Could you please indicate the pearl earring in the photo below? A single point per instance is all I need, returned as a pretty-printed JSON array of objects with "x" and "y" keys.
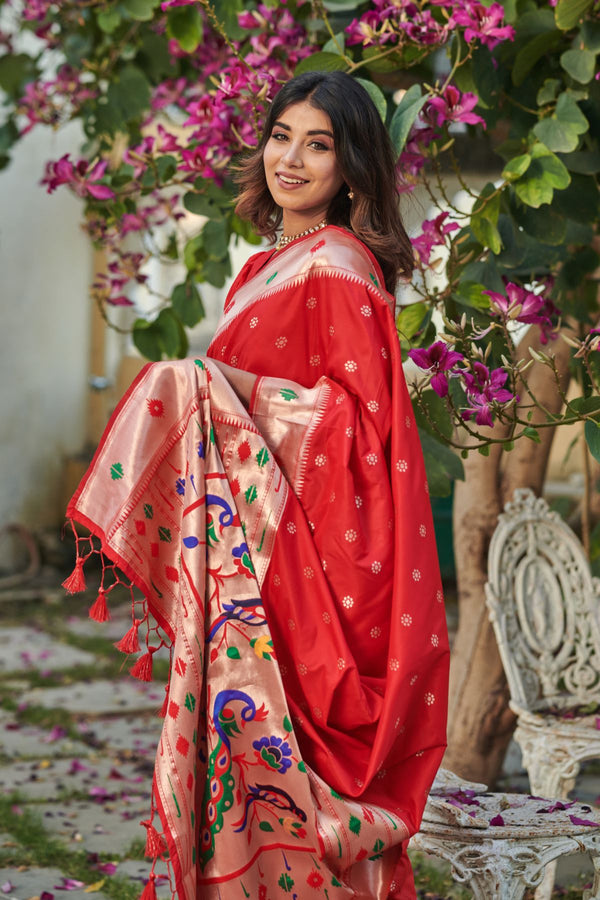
[{"x": 350, "y": 194}]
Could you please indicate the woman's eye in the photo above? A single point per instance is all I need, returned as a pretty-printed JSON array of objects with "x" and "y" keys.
[
  {"x": 317, "y": 145},
  {"x": 279, "y": 136}
]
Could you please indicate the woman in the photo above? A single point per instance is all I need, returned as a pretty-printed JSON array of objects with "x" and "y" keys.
[{"x": 282, "y": 535}]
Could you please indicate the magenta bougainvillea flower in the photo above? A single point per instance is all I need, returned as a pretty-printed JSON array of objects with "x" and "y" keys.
[
  {"x": 434, "y": 233},
  {"x": 522, "y": 305},
  {"x": 452, "y": 106},
  {"x": 80, "y": 178},
  {"x": 484, "y": 390},
  {"x": 482, "y": 23},
  {"x": 441, "y": 360}
]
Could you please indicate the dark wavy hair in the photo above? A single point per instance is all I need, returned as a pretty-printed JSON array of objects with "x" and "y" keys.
[{"x": 366, "y": 160}]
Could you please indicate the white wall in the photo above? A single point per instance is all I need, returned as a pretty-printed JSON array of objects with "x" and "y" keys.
[{"x": 45, "y": 271}]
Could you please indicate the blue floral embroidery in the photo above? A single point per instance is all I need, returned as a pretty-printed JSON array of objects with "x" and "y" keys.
[{"x": 274, "y": 753}]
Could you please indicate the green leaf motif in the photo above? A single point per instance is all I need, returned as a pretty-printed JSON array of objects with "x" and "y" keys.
[
  {"x": 287, "y": 725},
  {"x": 148, "y": 510},
  {"x": 251, "y": 494},
  {"x": 579, "y": 64},
  {"x": 262, "y": 457},
  {"x": 116, "y": 471},
  {"x": 354, "y": 825},
  {"x": 190, "y": 702},
  {"x": 286, "y": 883},
  {"x": 233, "y": 653},
  {"x": 265, "y": 826},
  {"x": 404, "y": 117},
  {"x": 288, "y": 394},
  {"x": 164, "y": 534}
]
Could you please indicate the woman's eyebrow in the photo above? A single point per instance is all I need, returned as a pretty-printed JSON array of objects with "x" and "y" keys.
[{"x": 315, "y": 131}]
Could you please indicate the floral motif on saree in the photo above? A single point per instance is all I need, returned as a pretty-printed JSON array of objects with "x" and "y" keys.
[{"x": 287, "y": 555}]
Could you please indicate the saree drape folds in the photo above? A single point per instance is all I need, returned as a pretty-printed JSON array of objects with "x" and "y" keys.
[{"x": 288, "y": 553}]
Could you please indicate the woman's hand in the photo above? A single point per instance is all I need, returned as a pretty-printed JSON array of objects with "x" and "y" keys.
[{"x": 241, "y": 382}]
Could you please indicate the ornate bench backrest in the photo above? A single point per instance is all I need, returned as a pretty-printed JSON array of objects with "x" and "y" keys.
[{"x": 544, "y": 606}]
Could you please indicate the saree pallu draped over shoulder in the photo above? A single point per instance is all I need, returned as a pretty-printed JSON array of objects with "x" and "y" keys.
[{"x": 287, "y": 552}]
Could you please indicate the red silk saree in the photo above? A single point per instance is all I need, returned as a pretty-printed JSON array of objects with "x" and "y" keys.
[{"x": 287, "y": 554}]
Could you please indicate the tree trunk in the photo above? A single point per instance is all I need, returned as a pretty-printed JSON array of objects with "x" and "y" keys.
[{"x": 480, "y": 722}]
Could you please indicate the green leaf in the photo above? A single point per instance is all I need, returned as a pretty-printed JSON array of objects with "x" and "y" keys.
[
  {"x": 129, "y": 95},
  {"x": 516, "y": 167},
  {"x": 404, "y": 117},
  {"x": 167, "y": 166},
  {"x": 287, "y": 725},
  {"x": 486, "y": 233},
  {"x": 531, "y": 52},
  {"x": 202, "y": 205},
  {"x": 376, "y": 96},
  {"x": 586, "y": 406},
  {"x": 233, "y": 653},
  {"x": 548, "y": 91},
  {"x": 409, "y": 320},
  {"x": 442, "y": 465},
  {"x": 580, "y": 201},
  {"x": 164, "y": 336},
  {"x": 579, "y": 64},
  {"x": 590, "y": 34},
  {"x": 592, "y": 438},
  {"x": 187, "y": 303},
  {"x": 431, "y": 408},
  {"x": 336, "y": 46},
  {"x": 265, "y": 826},
  {"x": 9, "y": 134},
  {"x": 321, "y": 62},
  {"x": 545, "y": 173},
  {"x": 543, "y": 224},
  {"x": 142, "y": 10},
  {"x": 532, "y": 433},
  {"x": 568, "y": 13},
  {"x": 15, "y": 69},
  {"x": 215, "y": 238},
  {"x": 560, "y": 131},
  {"x": 471, "y": 293},
  {"x": 583, "y": 162},
  {"x": 184, "y": 24},
  {"x": 108, "y": 20}
]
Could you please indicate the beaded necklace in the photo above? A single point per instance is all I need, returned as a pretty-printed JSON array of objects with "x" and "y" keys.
[{"x": 286, "y": 239}]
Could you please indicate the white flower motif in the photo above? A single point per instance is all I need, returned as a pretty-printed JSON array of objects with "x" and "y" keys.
[
  {"x": 311, "y": 302},
  {"x": 291, "y": 624},
  {"x": 350, "y": 535},
  {"x": 406, "y": 619},
  {"x": 397, "y": 723},
  {"x": 372, "y": 459},
  {"x": 340, "y": 398},
  {"x": 402, "y": 465},
  {"x": 326, "y": 618},
  {"x": 331, "y": 330},
  {"x": 419, "y": 753},
  {"x": 253, "y": 321},
  {"x": 435, "y": 641},
  {"x": 276, "y": 580},
  {"x": 366, "y": 310},
  {"x": 348, "y": 602},
  {"x": 391, "y": 524},
  {"x": 223, "y": 349},
  {"x": 309, "y": 572},
  {"x": 302, "y": 668},
  {"x": 426, "y": 488},
  {"x": 439, "y": 596},
  {"x": 349, "y": 431},
  {"x": 416, "y": 574},
  {"x": 408, "y": 422},
  {"x": 233, "y": 361},
  {"x": 384, "y": 353},
  {"x": 315, "y": 360},
  {"x": 332, "y": 497},
  {"x": 350, "y": 365},
  {"x": 318, "y": 714},
  {"x": 382, "y": 773},
  {"x": 413, "y": 680},
  {"x": 283, "y": 670},
  {"x": 376, "y": 567},
  {"x": 422, "y": 531},
  {"x": 324, "y": 565},
  {"x": 375, "y": 631},
  {"x": 373, "y": 406},
  {"x": 320, "y": 460},
  {"x": 341, "y": 663},
  {"x": 358, "y": 782},
  {"x": 291, "y": 527},
  {"x": 429, "y": 698},
  {"x": 281, "y": 342},
  {"x": 394, "y": 664},
  {"x": 311, "y": 525},
  {"x": 359, "y": 501}
]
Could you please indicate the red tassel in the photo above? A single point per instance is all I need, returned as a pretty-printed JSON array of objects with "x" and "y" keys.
[
  {"x": 143, "y": 667},
  {"x": 155, "y": 843},
  {"x": 75, "y": 582},
  {"x": 149, "y": 892},
  {"x": 99, "y": 610},
  {"x": 129, "y": 643}
]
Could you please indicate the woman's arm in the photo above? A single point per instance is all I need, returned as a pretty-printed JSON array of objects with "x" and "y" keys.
[{"x": 241, "y": 382}]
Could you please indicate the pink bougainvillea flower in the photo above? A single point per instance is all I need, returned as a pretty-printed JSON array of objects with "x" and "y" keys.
[
  {"x": 482, "y": 23},
  {"x": 441, "y": 360},
  {"x": 522, "y": 305},
  {"x": 81, "y": 179},
  {"x": 452, "y": 106},
  {"x": 484, "y": 389}
]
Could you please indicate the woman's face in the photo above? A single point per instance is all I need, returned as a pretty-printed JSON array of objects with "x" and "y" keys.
[{"x": 301, "y": 167}]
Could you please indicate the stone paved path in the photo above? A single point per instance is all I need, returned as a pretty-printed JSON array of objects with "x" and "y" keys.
[{"x": 77, "y": 743}]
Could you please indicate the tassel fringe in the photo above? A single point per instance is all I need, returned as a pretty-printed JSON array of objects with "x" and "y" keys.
[
  {"x": 130, "y": 643},
  {"x": 155, "y": 842},
  {"x": 143, "y": 667},
  {"x": 99, "y": 610},
  {"x": 149, "y": 892},
  {"x": 75, "y": 583}
]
